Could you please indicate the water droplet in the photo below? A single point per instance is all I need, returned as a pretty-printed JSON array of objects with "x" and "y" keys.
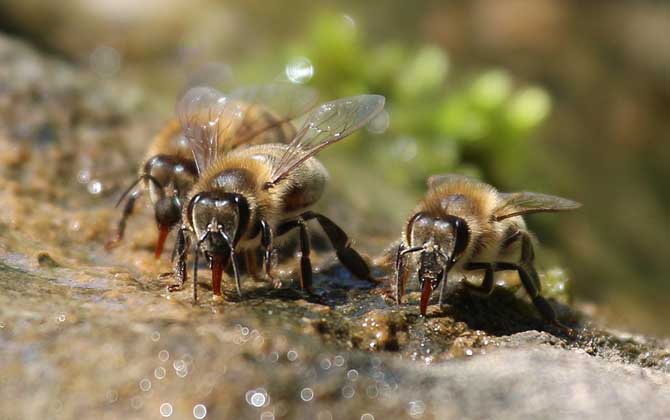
[
  {"x": 299, "y": 70},
  {"x": 348, "y": 391},
  {"x": 199, "y": 411},
  {"x": 376, "y": 362},
  {"x": 61, "y": 317},
  {"x": 159, "y": 372},
  {"x": 292, "y": 355},
  {"x": 163, "y": 355},
  {"x": 338, "y": 361},
  {"x": 349, "y": 20},
  {"x": 258, "y": 341},
  {"x": 405, "y": 148},
  {"x": 267, "y": 415},
  {"x": 257, "y": 397},
  {"x": 136, "y": 402},
  {"x": 372, "y": 391},
  {"x": 352, "y": 375},
  {"x": 105, "y": 61},
  {"x": 155, "y": 336},
  {"x": 94, "y": 187},
  {"x": 367, "y": 416},
  {"x": 307, "y": 394},
  {"x": 416, "y": 408},
  {"x": 166, "y": 409},
  {"x": 179, "y": 365},
  {"x": 244, "y": 331},
  {"x": 324, "y": 415},
  {"x": 84, "y": 176},
  {"x": 112, "y": 396},
  {"x": 182, "y": 373},
  {"x": 274, "y": 357},
  {"x": 468, "y": 352},
  {"x": 145, "y": 384},
  {"x": 380, "y": 123},
  {"x": 325, "y": 364},
  {"x": 57, "y": 405}
]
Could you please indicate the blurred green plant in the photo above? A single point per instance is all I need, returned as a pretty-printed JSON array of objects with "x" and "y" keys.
[{"x": 439, "y": 121}]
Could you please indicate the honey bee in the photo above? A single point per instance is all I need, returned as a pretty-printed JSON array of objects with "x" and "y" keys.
[
  {"x": 465, "y": 225},
  {"x": 169, "y": 170},
  {"x": 248, "y": 199}
]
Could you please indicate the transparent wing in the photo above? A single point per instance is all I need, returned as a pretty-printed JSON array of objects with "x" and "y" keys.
[
  {"x": 269, "y": 110},
  {"x": 441, "y": 179},
  {"x": 327, "y": 124},
  {"x": 217, "y": 74},
  {"x": 515, "y": 204},
  {"x": 207, "y": 118}
]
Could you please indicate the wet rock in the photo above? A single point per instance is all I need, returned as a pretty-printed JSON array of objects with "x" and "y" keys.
[{"x": 90, "y": 333}]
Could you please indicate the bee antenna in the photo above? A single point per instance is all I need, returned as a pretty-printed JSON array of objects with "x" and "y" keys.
[
  {"x": 134, "y": 184},
  {"x": 233, "y": 262}
]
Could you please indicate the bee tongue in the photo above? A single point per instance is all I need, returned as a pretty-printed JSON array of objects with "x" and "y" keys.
[
  {"x": 163, "y": 231},
  {"x": 217, "y": 273},
  {"x": 425, "y": 296}
]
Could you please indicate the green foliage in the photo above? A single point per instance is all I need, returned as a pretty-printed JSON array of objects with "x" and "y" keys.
[{"x": 439, "y": 122}]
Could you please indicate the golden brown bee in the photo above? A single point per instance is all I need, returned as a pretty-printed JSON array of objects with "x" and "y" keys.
[
  {"x": 248, "y": 199},
  {"x": 464, "y": 225},
  {"x": 169, "y": 170}
]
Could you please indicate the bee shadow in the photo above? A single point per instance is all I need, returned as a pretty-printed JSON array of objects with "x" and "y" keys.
[{"x": 504, "y": 313}]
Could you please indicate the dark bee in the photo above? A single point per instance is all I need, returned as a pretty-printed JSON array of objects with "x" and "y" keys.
[
  {"x": 248, "y": 199},
  {"x": 466, "y": 225},
  {"x": 170, "y": 170}
]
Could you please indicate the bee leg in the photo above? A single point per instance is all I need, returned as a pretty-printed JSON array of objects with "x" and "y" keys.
[
  {"x": 529, "y": 279},
  {"x": 251, "y": 262},
  {"x": 527, "y": 252},
  {"x": 528, "y": 259},
  {"x": 266, "y": 242},
  {"x": 236, "y": 273},
  {"x": 348, "y": 256},
  {"x": 305, "y": 262},
  {"x": 445, "y": 274},
  {"x": 305, "y": 249},
  {"x": 487, "y": 283},
  {"x": 195, "y": 273},
  {"x": 399, "y": 274},
  {"x": 181, "y": 247},
  {"x": 121, "y": 227}
]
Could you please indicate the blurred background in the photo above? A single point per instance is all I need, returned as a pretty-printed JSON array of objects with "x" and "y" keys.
[{"x": 564, "y": 97}]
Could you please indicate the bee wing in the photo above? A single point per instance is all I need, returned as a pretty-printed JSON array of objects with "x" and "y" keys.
[
  {"x": 207, "y": 118},
  {"x": 270, "y": 108},
  {"x": 515, "y": 204},
  {"x": 441, "y": 179},
  {"x": 327, "y": 124}
]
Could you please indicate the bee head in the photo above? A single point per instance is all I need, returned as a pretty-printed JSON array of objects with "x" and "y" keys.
[
  {"x": 443, "y": 241},
  {"x": 170, "y": 176},
  {"x": 448, "y": 235},
  {"x": 219, "y": 219}
]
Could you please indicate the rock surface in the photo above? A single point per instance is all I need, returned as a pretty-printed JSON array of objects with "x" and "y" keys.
[{"x": 88, "y": 333}]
